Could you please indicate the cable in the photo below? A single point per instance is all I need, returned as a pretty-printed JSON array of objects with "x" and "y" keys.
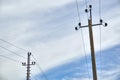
[
  {"x": 12, "y": 52},
  {"x": 100, "y": 39},
  {"x": 100, "y": 53},
  {"x": 78, "y": 10},
  {"x": 10, "y": 59},
  {"x": 33, "y": 78},
  {"x": 100, "y": 9},
  {"x": 82, "y": 35},
  {"x": 40, "y": 68},
  {"x": 85, "y": 53},
  {"x": 14, "y": 45},
  {"x": 86, "y": 3}
]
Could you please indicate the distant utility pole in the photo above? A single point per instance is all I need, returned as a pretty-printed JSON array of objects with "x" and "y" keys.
[
  {"x": 28, "y": 64},
  {"x": 91, "y": 39}
]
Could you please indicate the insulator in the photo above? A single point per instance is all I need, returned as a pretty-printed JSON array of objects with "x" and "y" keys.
[
  {"x": 79, "y": 24},
  {"x": 29, "y": 53},
  {"x": 86, "y": 10},
  {"x": 106, "y": 24},
  {"x": 33, "y": 63},
  {"x": 90, "y": 6},
  {"x": 76, "y": 28},
  {"x": 23, "y": 63},
  {"x": 101, "y": 21}
]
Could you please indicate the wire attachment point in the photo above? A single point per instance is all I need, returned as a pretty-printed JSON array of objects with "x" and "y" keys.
[
  {"x": 101, "y": 21},
  {"x": 106, "y": 24},
  {"x": 90, "y": 6},
  {"x": 79, "y": 24},
  {"x": 76, "y": 28},
  {"x": 86, "y": 10}
]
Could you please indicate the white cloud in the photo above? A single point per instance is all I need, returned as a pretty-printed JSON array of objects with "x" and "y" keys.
[
  {"x": 49, "y": 53},
  {"x": 15, "y": 7}
]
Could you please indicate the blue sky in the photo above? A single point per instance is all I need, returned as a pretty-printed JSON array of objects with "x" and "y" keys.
[
  {"x": 77, "y": 69},
  {"x": 46, "y": 28}
]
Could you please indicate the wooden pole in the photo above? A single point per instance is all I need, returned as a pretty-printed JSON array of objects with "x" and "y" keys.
[{"x": 92, "y": 47}]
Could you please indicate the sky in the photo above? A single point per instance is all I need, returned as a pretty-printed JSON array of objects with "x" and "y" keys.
[{"x": 46, "y": 29}]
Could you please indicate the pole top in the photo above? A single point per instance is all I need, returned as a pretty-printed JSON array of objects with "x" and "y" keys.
[
  {"x": 90, "y": 6},
  {"x": 29, "y": 53}
]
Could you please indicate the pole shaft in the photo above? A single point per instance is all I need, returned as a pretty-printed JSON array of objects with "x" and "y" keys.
[
  {"x": 28, "y": 67},
  {"x": 92, "y": 48}
]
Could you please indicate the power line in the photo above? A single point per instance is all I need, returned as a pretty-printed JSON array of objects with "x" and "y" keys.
[
  {"x": 86, "y": 3},
  {"x": 100, "y": 9},
  {"x": 33, "y": 77},
  {"x": 100, "y": 40},
  {"x": 12, "y": 52},
  {"x": 100, "y": 52},
  {"x": 82, "y": 35},
  {"x": 77, "y": 6},
  {"x": 13, "y": 45},
  {"x": 45, "y": 76},
  {"x": 10, "y": 58},
  {"x": 85, "y": 53}
]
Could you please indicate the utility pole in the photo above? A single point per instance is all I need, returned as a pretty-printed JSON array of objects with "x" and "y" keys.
[
  {"x": 94, "y": 71},
  {"x": 28, "y": 64}
]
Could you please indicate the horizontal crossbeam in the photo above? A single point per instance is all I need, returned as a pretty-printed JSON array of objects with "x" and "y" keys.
[{"x": 87, "y": 25}]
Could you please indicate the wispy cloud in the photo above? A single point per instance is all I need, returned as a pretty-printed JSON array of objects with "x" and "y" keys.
[{"x": 47, "y": 29}]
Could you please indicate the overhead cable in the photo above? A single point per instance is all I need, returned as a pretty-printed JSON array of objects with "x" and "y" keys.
[
  {"x": 13, "y": 45},
  {"x": 12, "y": 52},
  {"x": 45, "y": 76},
  {"x": 100, "y": 40},
  {"x": 10, "y": 59},
  {"x": 82, "y": 35}
]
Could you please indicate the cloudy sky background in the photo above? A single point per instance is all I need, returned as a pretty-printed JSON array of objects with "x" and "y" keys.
[{"x": 46, "y": 28}]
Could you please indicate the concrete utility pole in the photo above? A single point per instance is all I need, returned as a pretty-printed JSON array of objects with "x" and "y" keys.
[
  {"x": 91, "y": 39},
  {"x": 28, "y": 65}
]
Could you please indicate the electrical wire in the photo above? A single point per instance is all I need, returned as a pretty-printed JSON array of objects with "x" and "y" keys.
[
  {"x": 83, "y": 41},
  {"x": 86, "y": 4},
  {"x": 33, "y": 78},
  {"x": 100, "y": 52},
  {"x": 100, "y": 40},
  {"x": 78, "y": 10},
  {"x": 82, "y": 35},
  {"x": 10, "y": 59},
  {"x": 13, "y": 45},
  {"x": 40, "y": 67},
  {"x": 12, "y": 52},
  {"x": 100, "y": 9}
]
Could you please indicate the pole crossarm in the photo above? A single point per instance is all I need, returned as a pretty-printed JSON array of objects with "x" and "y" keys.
[
  {"x": 87, "y": 25},
  {"x": 101, "y": 23}
]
